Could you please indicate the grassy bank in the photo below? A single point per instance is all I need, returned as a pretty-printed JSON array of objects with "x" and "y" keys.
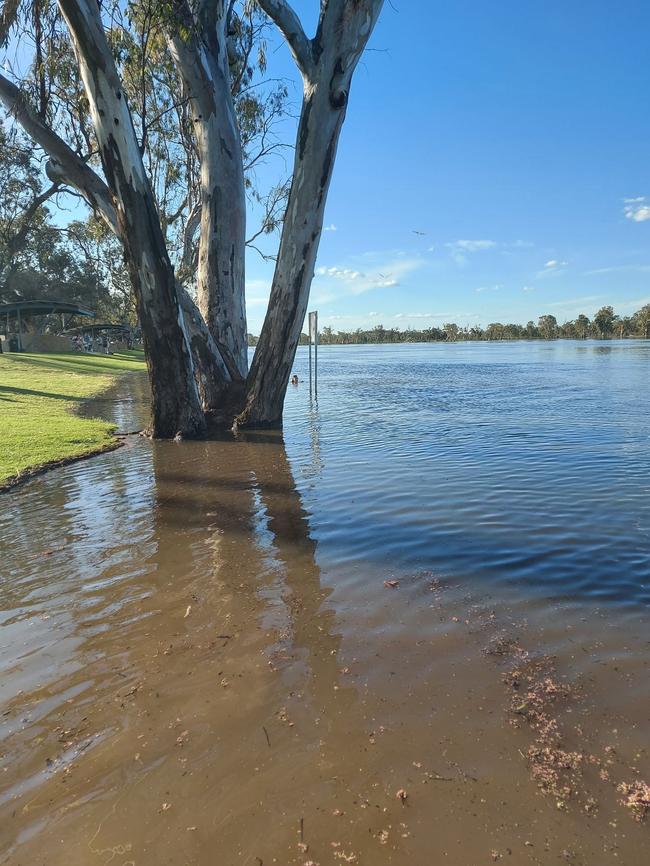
[{"x": 38, "y": 396}]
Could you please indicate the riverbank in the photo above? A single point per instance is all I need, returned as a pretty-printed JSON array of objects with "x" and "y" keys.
[{"x": 40, "y": 396}]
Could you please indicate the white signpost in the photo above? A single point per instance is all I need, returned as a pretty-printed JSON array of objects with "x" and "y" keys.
[{"x": 313, "y": 338}]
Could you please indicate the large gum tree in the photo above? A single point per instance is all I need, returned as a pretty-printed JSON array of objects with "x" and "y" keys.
[{"x": 196, "y": 350}]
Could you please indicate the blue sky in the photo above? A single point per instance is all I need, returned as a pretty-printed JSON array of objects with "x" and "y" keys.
[{"x": 516, "y": 137}]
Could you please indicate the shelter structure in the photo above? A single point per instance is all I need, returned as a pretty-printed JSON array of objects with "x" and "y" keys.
[
  {"x": 109, "y": 328},
  {"x": 18, "y": 339}
]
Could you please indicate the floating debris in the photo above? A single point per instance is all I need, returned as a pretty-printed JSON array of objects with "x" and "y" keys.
[{"x": 636, "y": 796}]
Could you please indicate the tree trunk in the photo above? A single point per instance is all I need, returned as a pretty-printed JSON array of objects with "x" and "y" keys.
[
  {"x": 327, "y": 64},
  {"x": 176, "y": 406},
  {"x": 211, "y": 374},
  {"x": 318, "y": 134},
  {"x": 201, "y": 57}
]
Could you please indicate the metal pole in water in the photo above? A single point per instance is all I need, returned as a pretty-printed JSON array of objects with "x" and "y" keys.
[
  {"x": 309, "y": 329},
  {"x": 316, "y": 355},
  {"x": 313, "y": 337}
]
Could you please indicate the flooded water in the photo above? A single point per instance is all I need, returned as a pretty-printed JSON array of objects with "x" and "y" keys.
[{"x": 414, "y": 630}]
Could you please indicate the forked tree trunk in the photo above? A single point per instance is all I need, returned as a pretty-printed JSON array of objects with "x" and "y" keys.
[
  {"x": 200, "y": 52},
  {"x": 176, "y": 406},
  {"x": 327, "y": 64}
]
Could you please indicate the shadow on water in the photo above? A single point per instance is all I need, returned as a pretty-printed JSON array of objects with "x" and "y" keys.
[
  {"x": 183, "y": 597},
  {"x": 239, "y": 494}
]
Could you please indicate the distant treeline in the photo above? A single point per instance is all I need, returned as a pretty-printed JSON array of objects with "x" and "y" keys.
[{"x": 605, "y": 325}]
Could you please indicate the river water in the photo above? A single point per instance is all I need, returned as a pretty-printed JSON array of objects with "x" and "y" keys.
[{"x": 413, "y": 630}]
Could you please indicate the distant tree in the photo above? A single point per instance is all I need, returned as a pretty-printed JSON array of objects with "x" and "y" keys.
[
  {"x": 532, "y": 331},
  {"x": 567, "y": 330},
  {"x": 494, "y": 331},
  {"x": 23, "y": 194},
  {"x": 513, "y": 331},
  {"x": 451, "y": 330},
  {"x": 548, "y": 327},
  {"x": 582, "y": 326},
  {"x": 625, "y": 326},
  {"x": 93, "y": 243},
  {"x": 37, "y": 257},
  {"x": 642, "y": 321},
  {"x": 604, "y": 322}
]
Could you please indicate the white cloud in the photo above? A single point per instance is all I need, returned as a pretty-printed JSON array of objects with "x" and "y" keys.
[
  {"x": 637, "y": 209},
  {"x": 632, "y": 306},
  {"x": 472, "y": 246},
  {"x": 488, "y": 288},
  {"x": 384, "y": 274},
  {"x": 575, "y": 303},
  {"x": 529, "y": 289},
  {"x": 443, "y": 317},
  {"x": 346, "y": 274},
  {"x": 552, "y": 268},
  {"x": 459, "y": 249},
  {"x": 618, "y": 269},
  {"x": 330, "y": 228}
]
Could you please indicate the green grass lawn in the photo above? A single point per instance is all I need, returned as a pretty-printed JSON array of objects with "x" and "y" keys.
[{"x": 38, "y": 396}]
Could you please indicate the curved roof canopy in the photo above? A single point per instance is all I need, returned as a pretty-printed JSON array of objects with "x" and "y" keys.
[
  {"x": 105, "y": 326},
  {"x": 43, "y": 308}
]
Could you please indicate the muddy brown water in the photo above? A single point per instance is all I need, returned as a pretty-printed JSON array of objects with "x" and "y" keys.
[{"x": 241, "y": 652}]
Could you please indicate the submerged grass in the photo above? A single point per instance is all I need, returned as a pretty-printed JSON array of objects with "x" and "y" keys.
[{"x": 38, "y": 396}]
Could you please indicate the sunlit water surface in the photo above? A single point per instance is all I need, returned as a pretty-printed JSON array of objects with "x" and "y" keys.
[{"x": 201, "y": 661}]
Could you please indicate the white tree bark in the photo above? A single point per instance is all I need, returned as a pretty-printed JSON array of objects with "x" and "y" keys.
[
  {"x": 176, "y": 406},
  {"x": 327, "y": 64},
  {"x": 199, "y": 49}
]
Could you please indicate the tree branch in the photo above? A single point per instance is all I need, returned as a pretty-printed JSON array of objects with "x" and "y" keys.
[
  {"x": 289, "y": 24},
  {"x": 65, "y": 165},
  {"x": 17, "y": 242}
]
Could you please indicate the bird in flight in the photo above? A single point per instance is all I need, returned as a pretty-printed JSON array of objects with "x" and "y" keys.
[{"x": 418, "y": 233}]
